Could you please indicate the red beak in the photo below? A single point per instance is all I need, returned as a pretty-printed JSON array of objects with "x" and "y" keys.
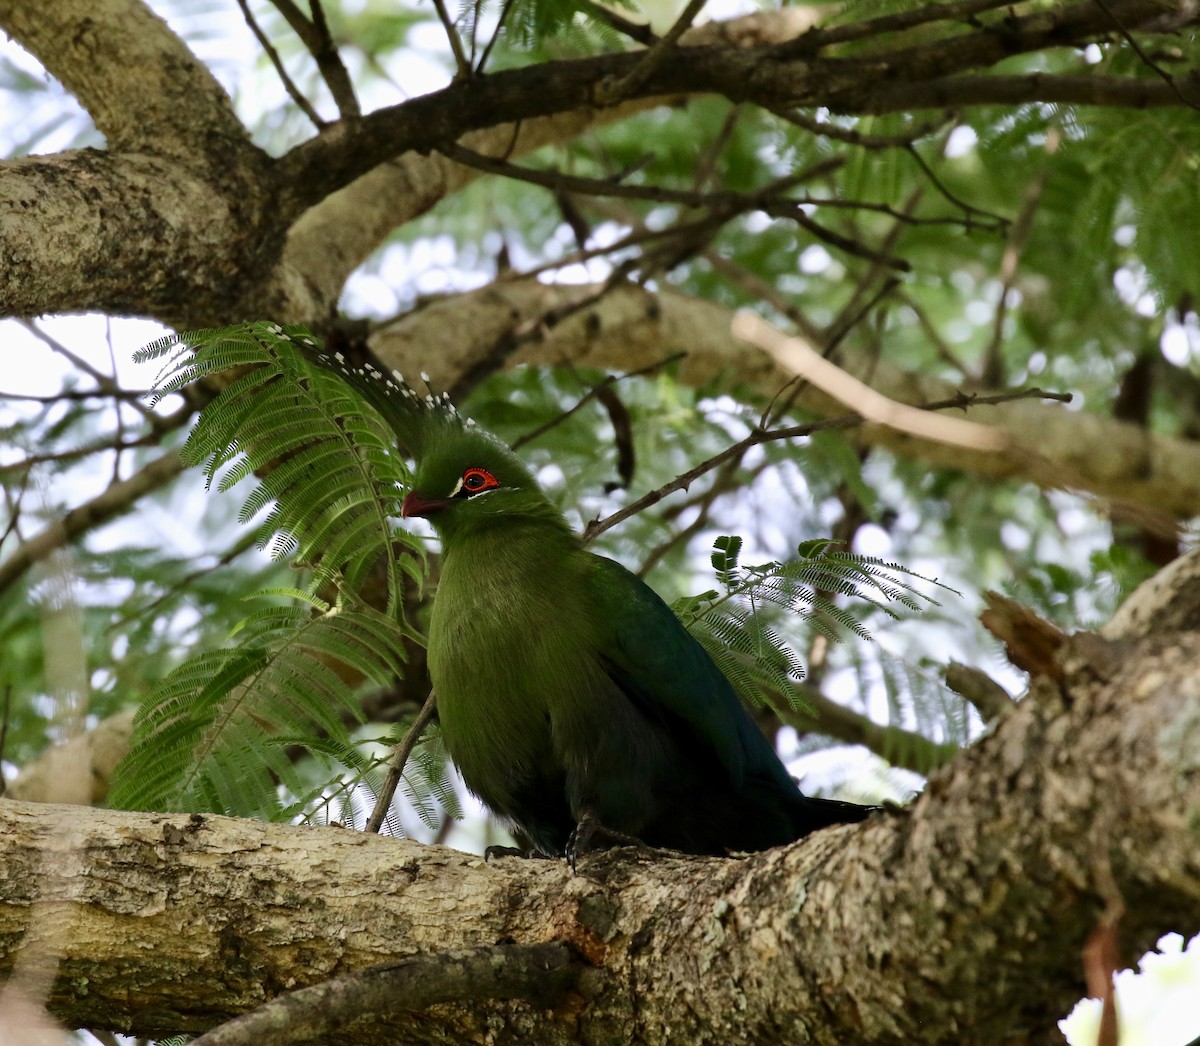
[{"x": 417, "y": 504}]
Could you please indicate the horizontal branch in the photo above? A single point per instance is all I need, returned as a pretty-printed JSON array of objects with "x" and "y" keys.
[
  {"x": 769, "y": 76},
  {"x": 971, "y": 909},
  {"x": 906, "y": 749},
  {"x": 631, "y": 327},
  {"x": 958, "y": 92}
]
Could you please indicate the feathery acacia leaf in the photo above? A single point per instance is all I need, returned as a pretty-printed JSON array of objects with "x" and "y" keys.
[{"x": 738, "y": 626}]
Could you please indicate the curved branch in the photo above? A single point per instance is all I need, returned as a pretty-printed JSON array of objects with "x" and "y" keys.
[
  {"x": 536, "y": 973},
  {"x": 631, "y": 327},
  {"x": 142, "y": 87},
  {"x": 771, "y": 76}
]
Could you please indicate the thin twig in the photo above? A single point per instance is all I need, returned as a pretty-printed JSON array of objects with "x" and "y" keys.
[
  {"x": 1137, "y": 48},
  {"x": 772, "y": 195},
  {"x": 114, "y": 500},
  {"x": 685, "y": 479},
  {"x": 933, "y": 335},
  {"x": 722, "y": 483},
  {"x": 77, "y": 395},
  {"x": 243, "y": 544},
  {"x": 655, "y": 56},
  {"x": 153, "y": 439},
  {"x": 763, "y": 290},
  {"x": 396, "y": 767},
  {"x": 289, "y": 84},
  {"x": 316, "y": 38},
  {"x": 460, "y": 58},
  {"x": 825, "y": 129},
  {"x": 102, "y": 380},
  {"x": 592, "y": 393},
  {"x": 508, "y": 6},
  {"x": 970, "y": 210}
]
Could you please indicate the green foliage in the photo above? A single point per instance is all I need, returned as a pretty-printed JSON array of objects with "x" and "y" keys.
[
  {"x": 742, "y": 625},
  {"x": 217, "y": 734},
  {"x": 328, "y": 475}
]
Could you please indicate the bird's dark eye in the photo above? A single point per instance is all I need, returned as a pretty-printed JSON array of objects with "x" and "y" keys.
[{"x": 476, "y": 481}]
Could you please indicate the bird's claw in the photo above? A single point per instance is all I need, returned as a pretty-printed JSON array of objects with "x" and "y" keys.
[
  {"x": 513, "y": 851},
  {"x": 588, "y": 832}
]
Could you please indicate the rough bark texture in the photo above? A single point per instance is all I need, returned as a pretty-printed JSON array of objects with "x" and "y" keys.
[
  {"x": 183, "y": 219},
  {"x": 631, "y": 328},
  {"x": 960, "y": 920}
]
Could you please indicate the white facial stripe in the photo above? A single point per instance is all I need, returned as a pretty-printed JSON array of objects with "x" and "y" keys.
[{"x": 457, "y": 487}]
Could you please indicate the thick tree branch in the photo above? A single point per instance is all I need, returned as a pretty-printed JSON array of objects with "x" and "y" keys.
[
  {"x": 142, "y": 87},
  {"x": 960, "y": 921},
  {"x": 631, "y": 327},
  {"x": 768, "y": 76},
  {"x": 217, "y": 213},
  {"x": 133, "y": 233}
]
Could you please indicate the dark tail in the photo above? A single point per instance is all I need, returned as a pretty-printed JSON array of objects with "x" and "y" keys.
[{"x": 811, "y": 812}]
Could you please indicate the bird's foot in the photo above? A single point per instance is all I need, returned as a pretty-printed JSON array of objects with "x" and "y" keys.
[
  {"x": 589, "y": 832},
  {"x": 514, "y": 851}
]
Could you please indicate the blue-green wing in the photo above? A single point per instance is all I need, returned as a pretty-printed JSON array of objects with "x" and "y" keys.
[{"x": 668, "y": 675}]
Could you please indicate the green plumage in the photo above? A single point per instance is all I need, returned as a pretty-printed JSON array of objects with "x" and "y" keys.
[{"x": 567, "y": 690}]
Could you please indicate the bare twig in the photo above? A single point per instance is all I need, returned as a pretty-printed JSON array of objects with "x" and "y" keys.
[
  {"x": 825, "y": 129},
  {"x": 723, "y": 483},
  {"x": 396, "y": 767},
  {"x": 993, "y": 221},
  {"x": 845, "y": 421},
  {"x": 102, "y": 380},
  {"x": 932, "y": 335},
  {"x": 771, "y": 199},
  {"x": 587, "y": 397},
  {"x": 162, "y": 424},
  {"x": 504, "y": 11},
  {"x": 609, "y": 93},
  {"x": 460, "y": 58},
  {"x": 763, "y": 290},
  {"x": 289, "y": 85}
]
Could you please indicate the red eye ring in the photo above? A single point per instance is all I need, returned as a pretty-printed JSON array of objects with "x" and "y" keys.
[{"x": 476, "y": 480}]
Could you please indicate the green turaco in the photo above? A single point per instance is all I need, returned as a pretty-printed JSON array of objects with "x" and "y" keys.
[{"x": 570, "y": 696}]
